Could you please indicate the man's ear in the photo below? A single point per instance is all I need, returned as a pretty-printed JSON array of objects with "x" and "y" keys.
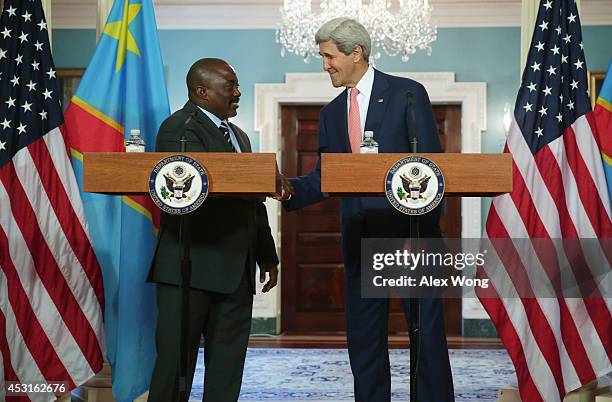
[
  {"x": 202, "y": 92},
  {"x": 357, "y": 54}
]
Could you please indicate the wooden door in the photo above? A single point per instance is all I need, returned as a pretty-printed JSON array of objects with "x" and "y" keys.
[{"x": 313, "y": 278}]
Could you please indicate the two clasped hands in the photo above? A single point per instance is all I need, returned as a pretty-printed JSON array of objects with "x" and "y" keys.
[{"x": 287, "y": 189}]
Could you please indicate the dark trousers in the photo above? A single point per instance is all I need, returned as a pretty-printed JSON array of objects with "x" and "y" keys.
[
  {"x": 367, "y": 337},
  {"x": 368, "y": 325},
  {"x": 225, "y": 322}
]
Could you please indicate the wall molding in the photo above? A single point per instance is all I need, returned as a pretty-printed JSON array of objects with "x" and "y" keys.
[
  {"x": 315, "y": 88},
  {"x": 264, "y": 14}
]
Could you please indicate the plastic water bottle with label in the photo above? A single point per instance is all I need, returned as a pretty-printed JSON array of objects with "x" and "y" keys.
[
  {"x": 135, "y": 143},
  {"x": 369, "y": 146}
]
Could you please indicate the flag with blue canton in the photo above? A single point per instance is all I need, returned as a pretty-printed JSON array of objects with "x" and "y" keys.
[
  {"x": 554, "y": 91},
  {"x": 559, "y": 192},
  {"x": 122, "y": 89},
  {"x": 51, "y": 291},
  {"x": 28, "y": 81}
]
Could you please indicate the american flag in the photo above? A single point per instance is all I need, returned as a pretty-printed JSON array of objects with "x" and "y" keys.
[
  {"x": 559, "y": 191},
  {"x": 51, "y": 295}
]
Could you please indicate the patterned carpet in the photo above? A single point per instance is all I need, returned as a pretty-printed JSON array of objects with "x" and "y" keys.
[{"x": 324, "y": 375}]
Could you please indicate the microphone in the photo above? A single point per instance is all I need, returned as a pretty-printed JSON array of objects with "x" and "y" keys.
[
  {"x": 183, "y": 140},
  {"x": 415, "y": 308},
  {"x": 192, "y": 114},
  {"x": 414, "y": 142}
]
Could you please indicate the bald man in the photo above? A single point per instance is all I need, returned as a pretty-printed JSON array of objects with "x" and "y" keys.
[{"x": 228, "y": 236}]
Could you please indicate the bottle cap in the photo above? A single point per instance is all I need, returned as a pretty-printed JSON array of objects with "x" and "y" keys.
[
  {"x": 368, "y": 134},
  {"x": 135, "y": 132}
]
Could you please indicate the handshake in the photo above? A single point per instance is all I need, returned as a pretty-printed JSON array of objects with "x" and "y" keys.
[{"x": 287, "y": 189}]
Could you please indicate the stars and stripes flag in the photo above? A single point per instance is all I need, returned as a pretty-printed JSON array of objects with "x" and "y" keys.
[
  {"x": 51, "y": 294},
  {"x": 557, "y": 343}
]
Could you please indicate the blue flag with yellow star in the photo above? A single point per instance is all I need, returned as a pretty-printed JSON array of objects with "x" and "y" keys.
[
  {"x": 603, "y": 121},
  {"x": 123, "y": 89}
]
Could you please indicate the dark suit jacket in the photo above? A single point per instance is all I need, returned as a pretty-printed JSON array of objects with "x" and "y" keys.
[
  {"x": 389, "y": 119},
  {"x": 227, "y": 234}
]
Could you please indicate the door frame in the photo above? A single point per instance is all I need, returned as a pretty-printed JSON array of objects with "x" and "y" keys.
[{"x": 314, "y": 89}]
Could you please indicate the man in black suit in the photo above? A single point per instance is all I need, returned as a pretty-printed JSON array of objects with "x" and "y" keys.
[
  {"x": 378, "y": 102},
  {"x": 228, "y": 236}
]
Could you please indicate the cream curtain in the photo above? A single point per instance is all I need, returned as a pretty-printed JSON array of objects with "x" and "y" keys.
[
  {"x": 49, "y": 17},
  {"x": 104, "y": 7}
]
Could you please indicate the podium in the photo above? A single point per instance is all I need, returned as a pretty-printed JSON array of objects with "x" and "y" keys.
[
  {"x": 119, "y": 173},
  {"x": 469, "y": 175},
  {"x": 230, "y": 174},
  {"x": 344, "y": 174}
]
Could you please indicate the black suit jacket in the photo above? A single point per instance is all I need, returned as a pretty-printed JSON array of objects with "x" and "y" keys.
[{"x": 227, "y": 234}]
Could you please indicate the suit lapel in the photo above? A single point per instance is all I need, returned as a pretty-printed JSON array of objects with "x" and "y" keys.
[
  {"x": 203, "y": 120},
  {"x": 241, "y": 137},
  {"x": 342, "y": 129},
  {"x": 378, "y": 102},
  {"x": 210, "y": 128}
]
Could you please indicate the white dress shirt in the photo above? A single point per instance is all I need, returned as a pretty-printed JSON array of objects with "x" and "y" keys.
[
  {"x": 217, "y": 121},
  {"x": 363, "y": 98}
]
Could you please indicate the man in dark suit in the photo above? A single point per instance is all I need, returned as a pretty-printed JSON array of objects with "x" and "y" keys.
[
  {"x": 376, "y": 102},
  {"x": 228, "y": 236}
]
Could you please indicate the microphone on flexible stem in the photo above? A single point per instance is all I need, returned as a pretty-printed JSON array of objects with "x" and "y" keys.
[
  {"x": 415, "y": 310},
  {"x": 185, "y": 265},
  {"x": 183, "y": 140},
  {"x": 414, "y": 142}
]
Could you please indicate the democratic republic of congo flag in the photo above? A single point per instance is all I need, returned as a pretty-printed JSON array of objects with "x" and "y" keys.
[
  {"x": 123, "y": 88},
  {"x": 603, "y": 121}
]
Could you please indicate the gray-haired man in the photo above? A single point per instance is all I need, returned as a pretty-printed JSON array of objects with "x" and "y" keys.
[{"x": 374, "y": 101}]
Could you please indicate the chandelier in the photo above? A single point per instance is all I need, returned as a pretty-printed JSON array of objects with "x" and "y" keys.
[{"x": 398, "y": 32}]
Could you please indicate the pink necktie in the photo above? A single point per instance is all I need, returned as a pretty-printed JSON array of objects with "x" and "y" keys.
[{"x": 354, "y": 122}]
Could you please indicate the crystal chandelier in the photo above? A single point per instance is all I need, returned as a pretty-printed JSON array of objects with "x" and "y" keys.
[{"x": 397, "y": 33}]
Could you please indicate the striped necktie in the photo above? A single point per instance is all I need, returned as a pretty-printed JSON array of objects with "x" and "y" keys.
[{"x": 224, "y": 127}]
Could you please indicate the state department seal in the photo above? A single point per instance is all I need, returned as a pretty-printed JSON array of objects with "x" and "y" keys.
[
  {"x": 414, "y": 185},
  {"x": 178, "y": 184}
]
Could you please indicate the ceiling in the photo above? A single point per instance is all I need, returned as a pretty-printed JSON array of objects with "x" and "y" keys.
[{"x": 263, "y": 14}]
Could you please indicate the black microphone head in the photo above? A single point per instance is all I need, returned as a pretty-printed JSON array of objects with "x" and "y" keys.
[
  {"x": 409, "y": 96},
  {"x": 411, "y": 123},
  {"x": 192, "y": 114}
]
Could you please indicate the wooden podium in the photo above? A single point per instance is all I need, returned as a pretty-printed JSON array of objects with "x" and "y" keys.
[
  {"x": 238, "y": 174},
  {"x": 464, "y": 175},
  {"x": 470, "y": 175},
  {"x": 229, "y": 174}
]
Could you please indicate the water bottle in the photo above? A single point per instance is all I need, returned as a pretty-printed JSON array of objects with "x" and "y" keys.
[
  {"x": 135, "y": 143},
  {"x": 369, "y": 146}
]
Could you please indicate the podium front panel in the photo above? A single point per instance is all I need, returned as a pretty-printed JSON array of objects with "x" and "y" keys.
[
  {"x": 229, "y": 173},
  {"x": 464, "y": 174}
]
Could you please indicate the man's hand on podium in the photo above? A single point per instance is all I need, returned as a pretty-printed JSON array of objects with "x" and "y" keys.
[
  {"x": 272, "y": 270},
  {"x": 287, "y": 189}
]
